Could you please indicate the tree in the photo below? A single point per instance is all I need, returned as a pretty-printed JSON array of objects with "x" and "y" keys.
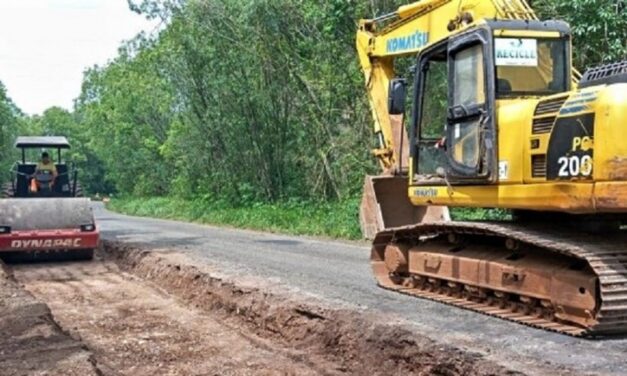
[
  {"x": 245, "y": 101},
  {"x": 599, "y": 28},
  {"x": 125, "y": 111},
  {"x": 10, "y": 125}
]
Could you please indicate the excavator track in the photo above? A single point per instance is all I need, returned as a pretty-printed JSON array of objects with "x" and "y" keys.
[{"x": 600, "y": 259}]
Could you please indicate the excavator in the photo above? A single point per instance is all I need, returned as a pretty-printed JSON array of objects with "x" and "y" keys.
[{"x": 476, "y": 104}]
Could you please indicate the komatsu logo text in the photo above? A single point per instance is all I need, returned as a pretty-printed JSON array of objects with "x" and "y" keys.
[
  {"x": 46, "y": 243},
  {"x": 408, "y": 42},
  {"x": 426, "y": 192}
]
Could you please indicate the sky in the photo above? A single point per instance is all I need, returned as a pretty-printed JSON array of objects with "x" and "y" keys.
[{"x": 46, "y": 45}]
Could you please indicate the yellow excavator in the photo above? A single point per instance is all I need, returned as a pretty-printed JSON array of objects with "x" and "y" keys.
[{"x": 497, "y": 117}]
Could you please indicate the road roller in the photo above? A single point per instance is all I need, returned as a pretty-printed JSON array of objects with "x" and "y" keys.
[{"x": 43, "y": 216}]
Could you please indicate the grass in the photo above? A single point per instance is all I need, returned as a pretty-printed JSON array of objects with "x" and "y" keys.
[
  {"x": 330, "y": 219},
  {"x": 480, "y": 214}
]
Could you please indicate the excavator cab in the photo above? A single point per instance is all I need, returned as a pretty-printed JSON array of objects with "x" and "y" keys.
[
  {"x": 500, "y": 121},
  {"x": 460, "y": 83}
]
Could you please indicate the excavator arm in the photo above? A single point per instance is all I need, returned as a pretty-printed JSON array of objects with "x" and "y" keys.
[
  {"x": 407, "y": 32},
  {"x": 380, "y": 42}
]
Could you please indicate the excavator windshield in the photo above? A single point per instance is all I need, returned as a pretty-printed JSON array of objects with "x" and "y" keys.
[{"x": 529, "y": 66}]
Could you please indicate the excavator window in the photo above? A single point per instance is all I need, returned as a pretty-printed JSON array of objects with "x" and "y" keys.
[
  {"x": 466, "y": 143},
  {"x": 526, "y": 66},
  {"x": 469, "y": 83},
  {"x": 468, "y": 93},
  {"x": 432, "y": 100}
]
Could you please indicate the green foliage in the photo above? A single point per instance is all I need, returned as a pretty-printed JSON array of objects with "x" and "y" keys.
[
  {"x": 599, "y": 27},
  {"x": 125, "y": 111},
  {"x": 480, "y": 214},
  {"x": 238, "y": 100},
  {"x": 337, "y": 219},
  {"x": 331, "y": 219},
  {"x": 11, "y": 123}
]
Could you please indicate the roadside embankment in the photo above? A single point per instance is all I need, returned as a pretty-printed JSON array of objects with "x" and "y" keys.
[
  {"x": 345, "y": 340},
  {"x": 140, "y": 311}
]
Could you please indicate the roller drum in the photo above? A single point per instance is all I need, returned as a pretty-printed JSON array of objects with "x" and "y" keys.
[{"x": 45, "y": 213}]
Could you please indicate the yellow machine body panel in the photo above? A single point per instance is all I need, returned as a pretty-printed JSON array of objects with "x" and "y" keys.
[
  {"x": 426, "y": 26},
  {"x": 591, "y": 172}
]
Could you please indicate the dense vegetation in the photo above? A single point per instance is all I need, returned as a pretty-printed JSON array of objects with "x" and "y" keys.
[
  {"x": 599, "y": 27},
  {"x": 11, "y": 123},
  {"x": 330, "y": 219},
  {"x": 243, "y": 103}
]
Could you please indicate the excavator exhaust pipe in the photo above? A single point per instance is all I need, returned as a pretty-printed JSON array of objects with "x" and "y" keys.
[{"x": 385, "y": 204}]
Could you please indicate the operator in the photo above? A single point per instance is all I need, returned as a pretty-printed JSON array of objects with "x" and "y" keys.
[{"x": 44, "y": 166}]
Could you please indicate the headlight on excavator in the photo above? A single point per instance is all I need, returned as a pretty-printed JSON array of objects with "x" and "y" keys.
[{"x": 88, "y": 228}]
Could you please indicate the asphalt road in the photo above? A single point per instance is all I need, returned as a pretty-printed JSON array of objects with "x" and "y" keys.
[{"x": 339, "y": 272}]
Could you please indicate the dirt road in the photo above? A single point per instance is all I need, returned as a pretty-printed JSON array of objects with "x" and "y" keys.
[
  {"x": 31, "y": 341},
  {"x": 338, "y": 273},
  {"x": 133, "y": 328},
  {"x": 143, "y": 313}
]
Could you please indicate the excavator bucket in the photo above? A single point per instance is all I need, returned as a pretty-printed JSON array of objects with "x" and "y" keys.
[
  {"x": 385, "y": 204},
  {"x": 47, "y": 228}
]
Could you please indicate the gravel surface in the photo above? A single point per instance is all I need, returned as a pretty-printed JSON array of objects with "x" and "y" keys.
[{"x": 339, "y": 272}]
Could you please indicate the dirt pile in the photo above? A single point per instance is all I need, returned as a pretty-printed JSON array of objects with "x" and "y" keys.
[{"x": 336, "y": 340}]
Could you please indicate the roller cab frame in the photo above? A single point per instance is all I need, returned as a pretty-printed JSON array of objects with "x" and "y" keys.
[{"x": 66, "y": 184}]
